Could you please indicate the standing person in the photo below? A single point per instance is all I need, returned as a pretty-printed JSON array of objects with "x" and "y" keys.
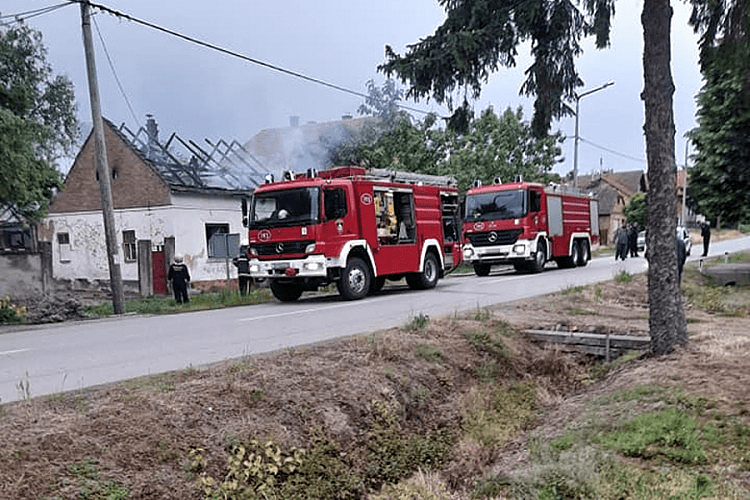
[
  {"x": 633, "y": 239},
  {"x": 706, "y": 235},
  {"x": 179, "y": 276},
  {"x": 680, "y": 250},
  {"x": 621, "y": 243},
  {"x": 243, "y": 269}
]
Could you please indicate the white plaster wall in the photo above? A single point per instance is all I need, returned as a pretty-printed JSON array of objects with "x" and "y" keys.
[{"x": 185, "y": 220}]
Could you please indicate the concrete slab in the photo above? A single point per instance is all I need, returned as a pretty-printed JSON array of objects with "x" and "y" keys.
[{"x": 729, "y": 274}]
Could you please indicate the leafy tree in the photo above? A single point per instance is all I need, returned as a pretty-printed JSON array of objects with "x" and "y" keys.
[
  {"x": 490, "y": 146},
  {"x": 637, "y": 210},
  {"x": 478, "y": 36},
  {"x": 720, "y": 179},
  {"x": 38, "y": 122},
  {"x": 500, "y": 146}
]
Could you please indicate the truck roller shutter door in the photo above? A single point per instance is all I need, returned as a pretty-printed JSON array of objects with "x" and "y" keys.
[{"x": 554, "y": 215}]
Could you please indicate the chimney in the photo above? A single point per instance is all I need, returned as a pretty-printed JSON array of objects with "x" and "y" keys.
[
  {"x": 152, "y": 130},
  {"x": 294, "y": 121},
  {"x": 346, "y": 116}
]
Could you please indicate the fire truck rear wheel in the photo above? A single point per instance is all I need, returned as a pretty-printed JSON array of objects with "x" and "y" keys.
[
  {"x": 584, "y": 254},
  {"x": 482, "y": 269},
  {"x": 355, "y": 279},
  {"x": 285, "y": 292},
  {"x": 429, "y": 276}
]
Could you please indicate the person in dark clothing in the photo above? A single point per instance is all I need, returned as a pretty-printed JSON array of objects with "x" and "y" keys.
[
  {"x": 680, "y": 250},
  {"x": 243, "y": 270},
  {"x": 633, "y": 240},
  {"x": 706, "y": 235},
  {"x": 621, "y": 243},
  {"x": 179, "y": 276}
]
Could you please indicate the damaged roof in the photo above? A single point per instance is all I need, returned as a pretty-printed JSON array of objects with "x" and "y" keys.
[{"x": 187, "y": 165}]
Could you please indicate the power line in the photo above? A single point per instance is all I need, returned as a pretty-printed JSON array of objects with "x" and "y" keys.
[
  {"x": 29, "y": 14},
  {"x": 114, "y": 73},
  {"x": 616, "y": 153},
  {"x": 232, "y": 53}
]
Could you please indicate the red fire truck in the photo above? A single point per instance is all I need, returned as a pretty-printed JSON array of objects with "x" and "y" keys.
[
  {"x": 527, "y": 224},
  {"x": 352, "y": 226}
]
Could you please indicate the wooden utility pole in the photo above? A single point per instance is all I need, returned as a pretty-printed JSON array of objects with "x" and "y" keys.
[{"x": 102, "y": 166}]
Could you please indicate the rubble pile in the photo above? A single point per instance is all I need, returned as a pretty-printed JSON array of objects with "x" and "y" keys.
[{"x": 43, "y": 309}]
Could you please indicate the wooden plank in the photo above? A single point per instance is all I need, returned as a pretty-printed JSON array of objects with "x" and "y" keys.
[{"x": 593, "y": 340}]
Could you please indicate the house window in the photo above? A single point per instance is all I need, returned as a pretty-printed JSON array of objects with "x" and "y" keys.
[
  {"x": 216, "y": 240},
  {"x": 63, "y": 244},
  {"x": 128, "y": 245}
]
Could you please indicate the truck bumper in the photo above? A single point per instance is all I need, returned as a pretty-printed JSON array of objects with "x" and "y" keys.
[
  {"x": 498, "y": 254},
  {"x": 312, "y": 266}
]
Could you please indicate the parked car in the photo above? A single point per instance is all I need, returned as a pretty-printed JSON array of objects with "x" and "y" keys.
[{"x": 682, "y": 232}]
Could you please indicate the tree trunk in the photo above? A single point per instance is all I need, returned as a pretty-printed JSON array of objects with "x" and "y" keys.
[{"x": 667, "y": 323}]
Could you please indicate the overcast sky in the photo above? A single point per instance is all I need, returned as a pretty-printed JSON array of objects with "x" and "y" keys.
[{"x": 199, "y": 93}]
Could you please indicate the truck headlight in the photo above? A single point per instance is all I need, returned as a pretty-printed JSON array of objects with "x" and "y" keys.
[
  {"x": 310, "y": 248},
  {"x": 468, "y": 253},
  {"x": 252, "y": 251},
  {"x": 519, "y": 248},
  {"x": 311, "y": 266},
  {"x": 254, "y": 268}
]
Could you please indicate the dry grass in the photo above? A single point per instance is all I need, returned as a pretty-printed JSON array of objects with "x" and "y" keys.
[{"x": 133, "y": 440}]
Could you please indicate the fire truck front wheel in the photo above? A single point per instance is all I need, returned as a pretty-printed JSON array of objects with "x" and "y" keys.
[
  {"x": 540, "y": 257},
  {"x": 482, "y": 269},
  {"x": 355, "y": 279},
  {"x": 285, "y": 292},
  {"x": 429, "y": 276}
]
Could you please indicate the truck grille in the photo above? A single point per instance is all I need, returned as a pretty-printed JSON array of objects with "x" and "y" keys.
[
  {"x": 282, "y": 248},
  {"x": 491, "y": 238}
]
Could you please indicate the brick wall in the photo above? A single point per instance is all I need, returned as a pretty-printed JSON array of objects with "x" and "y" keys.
[{"x": 134, "y": 183}]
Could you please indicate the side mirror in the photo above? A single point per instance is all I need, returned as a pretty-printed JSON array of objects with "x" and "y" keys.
[{"x": 243, "y": 204}]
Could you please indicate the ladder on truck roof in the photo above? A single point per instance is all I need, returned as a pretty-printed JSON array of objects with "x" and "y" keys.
[{"x": 412, "y": 177}]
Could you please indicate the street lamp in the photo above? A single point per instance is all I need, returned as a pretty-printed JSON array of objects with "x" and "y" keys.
[{"x": 575, "y": 148}]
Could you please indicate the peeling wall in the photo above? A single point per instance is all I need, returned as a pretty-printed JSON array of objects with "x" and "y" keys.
[{"x": 185, "y": 220}]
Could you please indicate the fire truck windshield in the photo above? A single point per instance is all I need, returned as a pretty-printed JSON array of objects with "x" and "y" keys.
[
  {"x": 496, "y": 205},
  {"x": 288, "y": 207}
]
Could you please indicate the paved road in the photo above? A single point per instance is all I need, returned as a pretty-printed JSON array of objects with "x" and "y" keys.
[{"x": 46, "y": 360}]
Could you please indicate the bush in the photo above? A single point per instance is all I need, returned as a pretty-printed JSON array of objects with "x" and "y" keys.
[{"x": 11, "y": 313}]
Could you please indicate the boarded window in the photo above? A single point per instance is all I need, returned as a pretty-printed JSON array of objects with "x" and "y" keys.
[
  {"x": 63, "y": 245},
  {"x": 220, "y": 243},
  {"x": 129, "y": 245}
]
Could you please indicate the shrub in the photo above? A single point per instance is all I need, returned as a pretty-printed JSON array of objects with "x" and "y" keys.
[{"x": 11, "y": 313}]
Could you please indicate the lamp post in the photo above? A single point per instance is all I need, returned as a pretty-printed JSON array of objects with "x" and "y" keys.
[{"x": 575, "y": 148}]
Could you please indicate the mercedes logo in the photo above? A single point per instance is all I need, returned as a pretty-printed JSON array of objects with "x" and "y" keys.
[
  {"x": 280, "y": 248},
  {"x": 492, "y": 237}
]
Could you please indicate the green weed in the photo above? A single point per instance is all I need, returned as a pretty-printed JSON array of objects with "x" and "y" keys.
[
  {"x": 670, "y": 433},
  {"x": 198, "y": 302},
  {"x": 491, "y": 421},
  {"x": 393, "y": 454},
  {"x": 417, "y": 323},
  {"x": 579, "y": 311},
  {"x": 90, "y": 484},
  {"x": 624, "y": 277},
  {"x": 489, "y": 343},
  {"x": 430, "y": 353}
]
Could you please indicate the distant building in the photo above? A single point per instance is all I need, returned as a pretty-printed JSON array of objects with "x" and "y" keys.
[
  {"x": 614, "y": 191},
  {"x": 302, "y": 147}
]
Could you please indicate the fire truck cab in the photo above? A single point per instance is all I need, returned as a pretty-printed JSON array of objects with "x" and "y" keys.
[
  {"x": 526, "y": 225},
  {"x": 354, "y": 227}
]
